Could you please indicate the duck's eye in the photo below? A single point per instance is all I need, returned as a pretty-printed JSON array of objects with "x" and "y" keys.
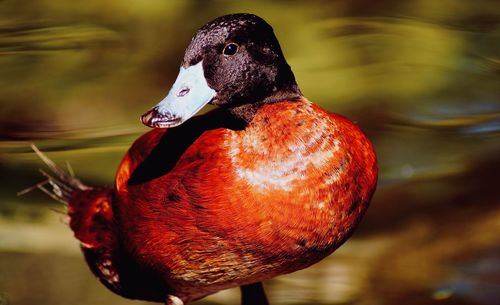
[{"x": 230, "y": 49}]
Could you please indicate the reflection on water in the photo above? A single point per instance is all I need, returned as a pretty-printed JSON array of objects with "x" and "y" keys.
[{"x": 420, "y": 77}]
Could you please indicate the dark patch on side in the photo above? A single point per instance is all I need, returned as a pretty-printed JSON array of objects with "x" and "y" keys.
[
  {"x": 301, "y": 241},
  {"x": 355, "y": 204},
  {"x": 323, "y": 249},
  {"x": 173, "y": 197}
]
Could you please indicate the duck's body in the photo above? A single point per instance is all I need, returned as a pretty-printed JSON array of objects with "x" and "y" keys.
[
  {"x": 265, "y": 185},
  {"x": 290, "y": 188}
]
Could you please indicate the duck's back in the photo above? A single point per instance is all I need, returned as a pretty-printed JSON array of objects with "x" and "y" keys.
[{"x": 239, "y": 206}]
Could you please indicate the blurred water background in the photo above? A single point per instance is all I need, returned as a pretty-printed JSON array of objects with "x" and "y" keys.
[{"x": 421, "y": 77}]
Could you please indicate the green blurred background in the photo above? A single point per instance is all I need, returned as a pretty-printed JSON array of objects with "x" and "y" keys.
[{"x": 421, "y": 77}]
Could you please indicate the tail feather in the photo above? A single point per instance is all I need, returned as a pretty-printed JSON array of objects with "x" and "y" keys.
[{"x": 62, "y": 183}]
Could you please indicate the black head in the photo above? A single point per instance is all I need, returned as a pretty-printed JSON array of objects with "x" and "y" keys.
[
  {"x": 242, "y": 65},
  {"x": 242, "y": 60}
]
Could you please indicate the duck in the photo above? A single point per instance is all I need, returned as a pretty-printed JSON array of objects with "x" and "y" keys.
[{"x": 265, "y": 184}]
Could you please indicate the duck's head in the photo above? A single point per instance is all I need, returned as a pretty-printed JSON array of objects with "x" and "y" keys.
[{"x": 235, "y": 62}]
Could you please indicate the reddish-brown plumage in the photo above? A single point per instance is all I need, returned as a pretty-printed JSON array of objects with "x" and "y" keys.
[
  {"x": 264, "y": 185},
  {"x": 231, "y": 207}
]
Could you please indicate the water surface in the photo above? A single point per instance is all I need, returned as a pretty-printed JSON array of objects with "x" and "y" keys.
[{"x": 421, "y": 78}]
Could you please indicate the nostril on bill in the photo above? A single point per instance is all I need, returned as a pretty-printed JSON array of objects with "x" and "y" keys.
[{"x": 183, "y": 91}]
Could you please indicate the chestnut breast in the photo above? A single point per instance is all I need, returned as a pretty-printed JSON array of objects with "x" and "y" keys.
[{"x": 241, "y": 206}]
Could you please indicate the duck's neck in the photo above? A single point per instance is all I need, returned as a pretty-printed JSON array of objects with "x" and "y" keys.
[{"x": 246, "y": 112}]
